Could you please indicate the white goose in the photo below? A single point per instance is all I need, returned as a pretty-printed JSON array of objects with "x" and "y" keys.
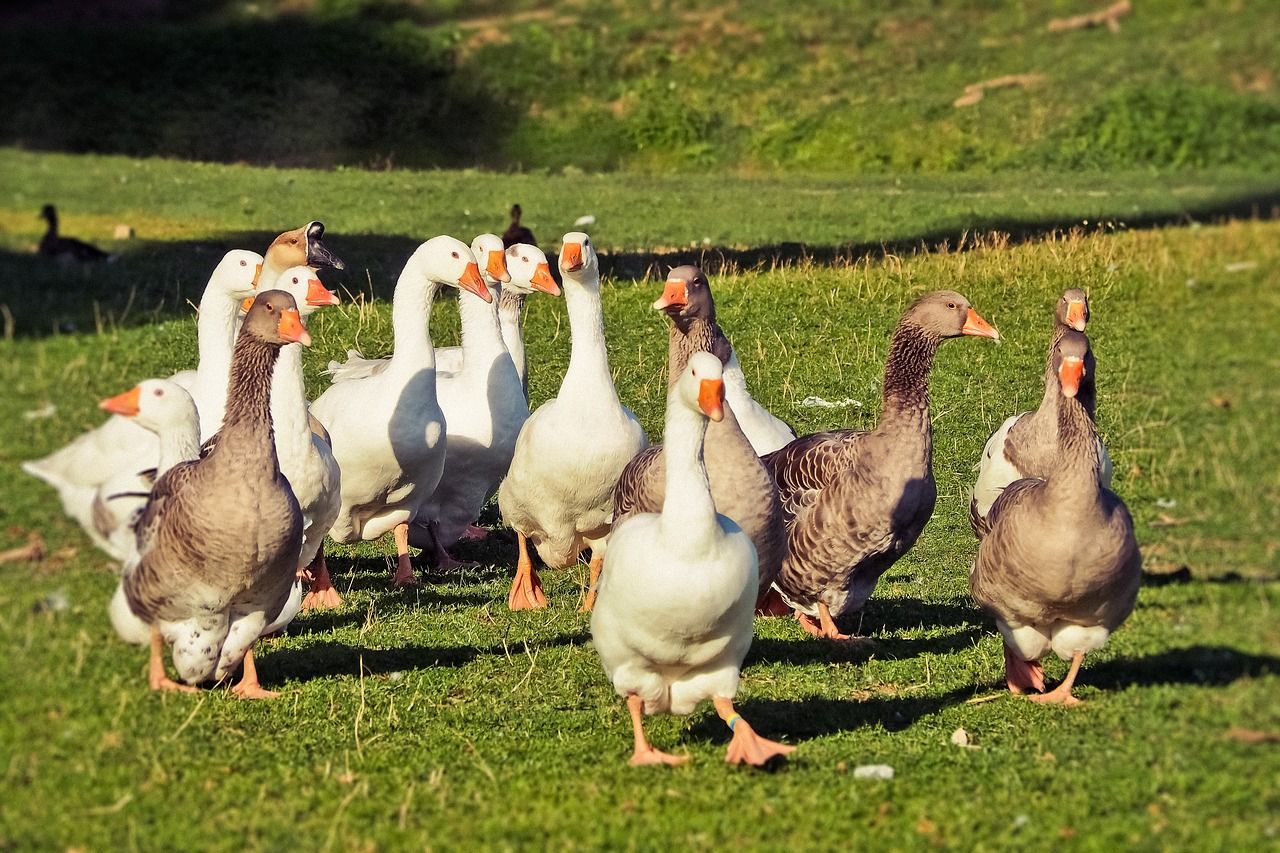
[
  {"x": 673, "y": 621},
  {"x": 559, "y": 490},
  {"x": 387, "y": 429},
  {"x": 120, "y": 446},
  {"x": 483, "y": 402}
]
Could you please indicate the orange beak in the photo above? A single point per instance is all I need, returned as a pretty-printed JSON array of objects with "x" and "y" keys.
[
  {"x": 318, "y": 295},
  {"x": 975, "y": 325},
  {"x": 543, "y": 281},
  {"x": 497, "y": 266},
  {"x": 290, "y": 328},
  {"x": 1075, "y": 315},
  {"x": 1069, "y": 373},
  {"x": 571, "y": 257},
  {"x": 711, "y": 398},
  {"x": 674, "y": 293},
  {"x": 473, "y": 283},
  {"x": 123, "y": 404},
  {"x": 257, "y": 273}
]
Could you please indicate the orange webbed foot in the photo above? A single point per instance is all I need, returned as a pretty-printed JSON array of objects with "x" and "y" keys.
[{"x": 649, "y": 755}]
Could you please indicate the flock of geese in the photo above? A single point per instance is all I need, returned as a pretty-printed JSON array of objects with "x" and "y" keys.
[{"x": 216, "y": 487}]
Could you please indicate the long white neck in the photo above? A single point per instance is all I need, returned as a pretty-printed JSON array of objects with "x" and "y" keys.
[
  {"x": 510, "y": 315},
  {"x": 588, "y": 373},
  {"x": 688, "y": 513},
  {"x": 289, "y": 399},
  {"x": 215, "y": 332},
  {"x": 178, "y": 443},
  {"x": 481, "y": 332},
  {"x": 411, "y": 319}
]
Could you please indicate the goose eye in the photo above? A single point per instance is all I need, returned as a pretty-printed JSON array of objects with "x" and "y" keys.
[
  {"x": 295, "y": 279},
  {"x": 455, "y": 254},
  {"x": 244, "y": 263},
  {"x": 526, "y": 260},
  {"x": 294, "y": 241},
  {"x": 159, "y": 392},
  {"x": 951, "y": 305}
]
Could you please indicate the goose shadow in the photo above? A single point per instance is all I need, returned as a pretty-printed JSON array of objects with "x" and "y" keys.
[
  {"x": 1208, "y": 666},
  {"x": 813, "y": 650},
  {"x": 812, "y": 717},
  {"x": 321, "y": 660},
  {"x": 883, "y": 615}
]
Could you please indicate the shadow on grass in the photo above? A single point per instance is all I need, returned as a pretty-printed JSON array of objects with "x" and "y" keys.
[
  {"x": 321, "y": 660},
  {"x": 813, "y": 650},
  {"x": 154, "y": 280},
  {"x": 817, "y": 716},
  {"x": 1210, "y": 666}
]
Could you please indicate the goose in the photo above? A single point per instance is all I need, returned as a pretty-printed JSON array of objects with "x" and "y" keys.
[
  {"x": 517, "y": 233},
  {"x": 484, "y": 406},
  {"x": 219, "y": 538},
  {"x": 387, "y": 429},
  {"x": 673, "y": 622},
  {"x": 52, "y": 245},
  {"x": 305, "y": 458},
  {"x": 558, "y": 491},
  {"x": 857, "y": 501},
  {"x": 1025, "y": 445},
  {"x": 1059, "y": 567},
  {"x": 120, "y": 445},
  {"x": 687, "y": 300},
  {"x": 164, "y": 408},
  {"x": 741, "y": 486}
]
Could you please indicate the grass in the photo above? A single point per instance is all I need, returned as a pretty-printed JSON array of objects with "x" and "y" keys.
[
  {"x": 822, "y": 87},
  {"x": 436, "y": 718}
]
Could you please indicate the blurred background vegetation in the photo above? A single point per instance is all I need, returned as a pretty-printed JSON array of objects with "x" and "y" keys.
[{"x": 824, "y": 87}]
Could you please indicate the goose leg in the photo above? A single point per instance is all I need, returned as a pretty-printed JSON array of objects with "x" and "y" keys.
[
  {"x": 747, "y": 747},
  {"x": 644, "y": 751},
  {"x": 593, "y": 585},
  {"x": 824, "y": 627},
  {"x": 770, "y": 603},
  {"x": 157, "y": 677},
  {"x": 526, "y": 588},
  {"x": 1061, "y": 695},
  {"x": 404, "y": 569},
  {"x": 321, "y": 595},
  {"x": 440, "y": 556},
  {"x": 1022, "y": 676},
  {"x": 248, "y": 686}
]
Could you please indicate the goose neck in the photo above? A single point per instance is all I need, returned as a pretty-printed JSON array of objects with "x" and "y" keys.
[
  {"x": 687, "y": 336},
  {"x": 481, "y": 331},
  {"x": 289, "y": 396},
  {"x": 1076, "y": 479},
  {"x": 411, "y": 319},
  {"x": 248, "y": 415},
  {"x": 906, "y": 378},
  {"x": 588, "y": 358},
  {"x": 510, "y": 317},
  {"x": 688, "y": 511},
  {"x": 178, "y": 443}
]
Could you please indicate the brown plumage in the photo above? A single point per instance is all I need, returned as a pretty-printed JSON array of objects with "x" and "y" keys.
[
  {"x": 741, "y": 488},
  {"x": 1026, "y": 445},
  {"x": 1059, "y": 567},
  {"x": 53, "y": 245},
  {"x": 854, "y": 502},
  {"x": 517, "y": 233},
  {"x": 219, "y": 538}
]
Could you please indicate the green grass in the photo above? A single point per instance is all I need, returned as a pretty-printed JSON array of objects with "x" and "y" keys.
[
  {"x": 822, "y": 87},
  {"x": 437, "y": 718}
]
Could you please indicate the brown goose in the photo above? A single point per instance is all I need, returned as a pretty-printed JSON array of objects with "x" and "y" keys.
[
  {"x": 219, "y": 538},
  {"x": 857, "y": 501},
  {"x": 517, "y": 233},
  {"x": 1026, "y": 445},
  {"x": 53, "y": 245},
  {"x": 1059, "y": 567},
  {"x": 740, "y": 486}
]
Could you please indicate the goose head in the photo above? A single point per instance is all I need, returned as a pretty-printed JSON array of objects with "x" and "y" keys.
[
  {"x": 1073, "y": 309},
  {"x": 273, "y": 319},
  {"x": 302, "y": 247},
  {"x": 49, "y": 214},
  {"x": 516, "y": 213},
  {"x": 237, "y": 273},
  {"x": 578, "y": 261},
  {"x": 156, "y": 404},
  {"x": 947, "y": 314},
  {"x": 686, "y": 295},
  {"x": 701, "y": 386},
  {"x": 529, "y": 270},
  {"x": 448, "y": 260},
  {"x": 1073, "y": 362},
  {"x": 489, "y": 254},
  {"x": 305, "y": 287}
]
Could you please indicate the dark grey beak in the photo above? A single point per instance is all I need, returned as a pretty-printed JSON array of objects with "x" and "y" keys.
[{"x": 317, "y": 254}]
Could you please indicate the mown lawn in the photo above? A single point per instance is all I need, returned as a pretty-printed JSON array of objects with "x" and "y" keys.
[{"x": 438, "y": 719}]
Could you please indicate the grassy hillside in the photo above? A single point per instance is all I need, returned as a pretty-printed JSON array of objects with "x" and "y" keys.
[
  {"x": 436, "y": 718},
  {"x": 824, "y": 87}
]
